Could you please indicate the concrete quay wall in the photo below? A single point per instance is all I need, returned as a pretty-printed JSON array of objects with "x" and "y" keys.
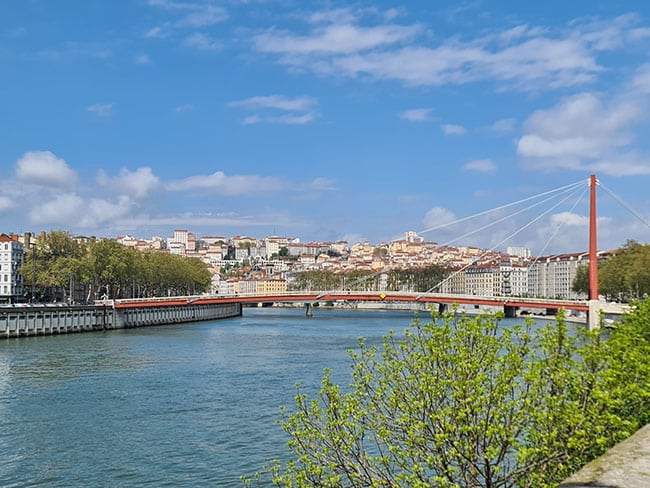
[
  {"x": 174, "y": 314},
  {"x": 35, "y": 320}
]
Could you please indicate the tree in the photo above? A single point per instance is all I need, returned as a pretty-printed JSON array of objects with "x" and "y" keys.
[
  {"x": 461, "y": 401},
  {"x": 416, "y": 279},
  {"x": 623, "y": 277},
  {"x": 54, "y": 263},
  {"x": 580, "y": 283}
]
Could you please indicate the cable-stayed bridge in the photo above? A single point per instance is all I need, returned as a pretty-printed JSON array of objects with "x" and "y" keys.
[{"x": 593, "y": 306}]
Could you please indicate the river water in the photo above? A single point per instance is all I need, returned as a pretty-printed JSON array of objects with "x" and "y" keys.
[{"x": 180, "y": 405}]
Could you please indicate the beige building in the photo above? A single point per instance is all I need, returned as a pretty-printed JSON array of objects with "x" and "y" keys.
[{"x": 552, "y": 276}]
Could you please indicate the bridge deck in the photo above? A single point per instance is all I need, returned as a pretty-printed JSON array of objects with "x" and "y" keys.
[{"x": 356, "y": 296}]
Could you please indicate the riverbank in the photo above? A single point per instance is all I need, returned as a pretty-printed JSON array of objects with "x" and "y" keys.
[{"x": 45, "y": 319}]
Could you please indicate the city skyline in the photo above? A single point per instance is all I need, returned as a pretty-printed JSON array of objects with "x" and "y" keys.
[{"x": 325, "y": 121}]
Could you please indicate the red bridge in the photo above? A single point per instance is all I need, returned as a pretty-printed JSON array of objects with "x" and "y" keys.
[{"x": 593, "y": 307}]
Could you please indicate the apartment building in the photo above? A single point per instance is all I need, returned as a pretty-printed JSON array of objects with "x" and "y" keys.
[
  {"x": 11, "y": 258},
  {"x": 552, "y": 276},
  {"x": 455, "y": 283},
  {"x": 482, "y": 280},
  {"x": 182, "y": 240}
]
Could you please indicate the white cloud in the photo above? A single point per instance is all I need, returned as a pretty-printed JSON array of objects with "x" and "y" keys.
[
  {"x": 504, "y": 126},
  {"x": 279, "y": 102},
  {"x": 101, "y": 110},
  {"x": 569, "y": 218},
  {"x": 6, "y": 204},
  {"x": 138, "y": 184},
  {"x": 63, "y": 209},
  {"x": 203, "y": 16},
  {"x": 392, "y": 14},
  {"x": 641, "y": 80},
  {"x": 514, "y": 33},
  {"x": 294, "y": 107},
  {"x": 335, "y": 16},
  {"x": 481, "y": 166},
  {"x": 523, "y": 57},
  {"x": 320, "y": 184},
  {"x": 184, "y": 108},
  {"x": 202, "y": 42},
  {"x": 252, "y": 119},
  {"x": 44, "y": 168},
  {"x": 190, "y": 15},
  {"x": 438, "y": 216},
  {"x": 334, "y": 39},
  {"x": 582, "y": 132},
  {"x": 416, "y": 114},
  {"x": 280, "y": 119},
  {"x": 154, "y": 33},
  {"x": 142, "y": 59},
  {"x": 222, "y": 184},
  {"x": 209, "y": 219},
  {"x": 70, "y": 209},
  {"x": 453, "y": 130}
]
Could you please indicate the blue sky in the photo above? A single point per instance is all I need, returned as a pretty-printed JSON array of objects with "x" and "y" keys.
[{"x": 322, "y": 120}]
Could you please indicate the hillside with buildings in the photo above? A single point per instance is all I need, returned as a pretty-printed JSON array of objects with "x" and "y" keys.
[{"x": 241, "y": 264}]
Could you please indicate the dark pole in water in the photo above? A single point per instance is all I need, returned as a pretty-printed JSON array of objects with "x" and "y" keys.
[{"x": 310, "y": 310}]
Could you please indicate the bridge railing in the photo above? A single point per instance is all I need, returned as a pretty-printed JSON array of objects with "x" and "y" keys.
[{"x": 341, "y": 294}]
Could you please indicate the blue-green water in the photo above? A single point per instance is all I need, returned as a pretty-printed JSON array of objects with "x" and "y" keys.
[{"x": 183, "y": 405}]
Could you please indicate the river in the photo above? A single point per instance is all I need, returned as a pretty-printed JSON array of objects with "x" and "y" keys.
[{"x": 180, "y": 405}]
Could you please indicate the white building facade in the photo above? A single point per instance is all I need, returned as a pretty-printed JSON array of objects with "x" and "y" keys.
[{"x": 11, "y": 258}]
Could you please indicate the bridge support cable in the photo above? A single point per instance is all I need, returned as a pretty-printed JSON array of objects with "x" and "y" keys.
[
  {"x": 558, "y": 227},
  {"x": 575, "y": 190},
  {"x": 627, "y": 207},
  {"x": 507, "y": 217},
  {"x": 562, "y": 189}
]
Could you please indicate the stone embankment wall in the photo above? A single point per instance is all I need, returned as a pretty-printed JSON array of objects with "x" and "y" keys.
[
  {"x": 34, "y": 320},
  {"x": 174, "y": 314},
  {"x": 626, "y": 465}
]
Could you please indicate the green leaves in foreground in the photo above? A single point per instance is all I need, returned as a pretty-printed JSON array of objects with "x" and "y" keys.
[{"x": 463, "y": 402}]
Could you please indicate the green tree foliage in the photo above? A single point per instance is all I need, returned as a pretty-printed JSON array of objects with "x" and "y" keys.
[
  {"x": 581, "y": 281},
  {"x": 464, "y": 402},
  {"x": 323, "y": 280},
  {"x": 318, "y": 280},
  {"x": 105, "y": 268},
  {"x": 623, "y": 277},
  {"x": 416, "y": 279}
]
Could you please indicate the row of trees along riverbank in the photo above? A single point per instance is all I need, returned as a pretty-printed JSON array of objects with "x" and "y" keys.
[
  {"x": 465, "y": 402},
  {"x": 412, "y": 279},
  {"x": 61, "y": 265}
]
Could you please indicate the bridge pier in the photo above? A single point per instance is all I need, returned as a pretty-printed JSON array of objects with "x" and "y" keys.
[
  {"x": 309, "y": 312},
  {"x": 510, "y": 311},
  {"x": 443, "y": 307}
]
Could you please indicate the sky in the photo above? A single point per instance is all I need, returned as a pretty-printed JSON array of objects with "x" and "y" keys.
[{"x": 330, "y": 120}]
